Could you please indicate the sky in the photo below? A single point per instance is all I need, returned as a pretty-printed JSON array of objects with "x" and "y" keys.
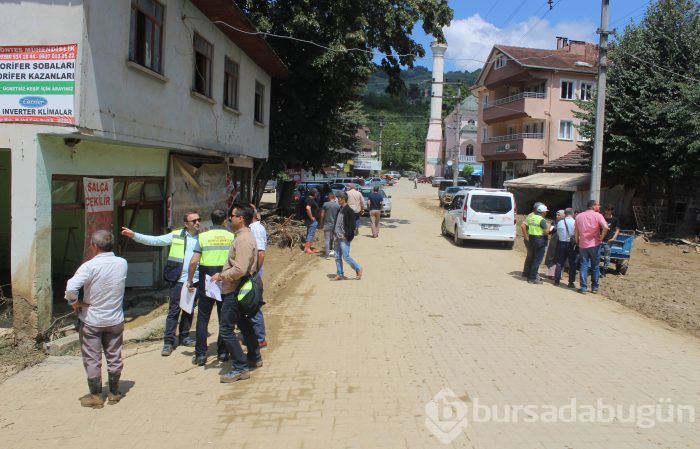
[{"x": 478, "y": 25}]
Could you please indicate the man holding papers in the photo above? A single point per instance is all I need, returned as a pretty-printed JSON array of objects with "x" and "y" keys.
[{"x": 210, "y": 252}]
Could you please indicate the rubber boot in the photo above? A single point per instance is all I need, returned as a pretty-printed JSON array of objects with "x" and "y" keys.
[
  {"x": 94, "y": 399},
  {"x": 114, "y": 394},
  {"x": 307, "y": 248}
]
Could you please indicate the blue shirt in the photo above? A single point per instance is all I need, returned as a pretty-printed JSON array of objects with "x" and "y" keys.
[
  {"x": 191, "y": 241},
  {"x": 562, "y": 226}
]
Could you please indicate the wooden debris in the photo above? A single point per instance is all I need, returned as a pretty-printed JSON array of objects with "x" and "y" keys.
[{"x": 284, "y": 232}]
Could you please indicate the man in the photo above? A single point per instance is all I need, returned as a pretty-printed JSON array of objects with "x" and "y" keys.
[
  {"x": 328, "y": 212},
  {"x": 101, "y": 317},
  {"x": 357, "y": 203},
  {"x": 242, "y": 261},
  {"x": 376, "y": 203},
  {"x": 565, "y": 247},
  {"x": 310, "y": 214},
  {"x": 344, "y": 232},
  {"x": 210, "y": 253},
  {"x": 182, "y": 243},
  {"x": 535, "y": 231},
  {"x": 260, "y": 234},
  {"x": 589, "y": 232},
  {"x": 611, "y": 236}
]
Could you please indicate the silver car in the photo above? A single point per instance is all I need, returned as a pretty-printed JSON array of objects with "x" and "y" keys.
[
  {"x": 386, "y": 209},
  {"x": 445, "y": 196}
]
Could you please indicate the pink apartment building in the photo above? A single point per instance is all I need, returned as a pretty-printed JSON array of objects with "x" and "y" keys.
[{"x": 526, "y": 104}]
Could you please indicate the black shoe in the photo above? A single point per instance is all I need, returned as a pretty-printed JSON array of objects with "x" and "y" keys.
[
  {"x": 556, "y": 282},
  {"x": 571, "y": 285},
  {"x": 235, "y": 375},
  {"x": 167, "y": 350},
  {"x": 188, "y": 341},
  {"x": 536, "y": 281},
  {"x": 253, "y": 364},
  {"x": 199, "y": 360},
  {"x": 223, "y": 357}
]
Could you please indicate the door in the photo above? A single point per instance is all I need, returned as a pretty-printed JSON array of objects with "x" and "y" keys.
[{"x": 5, "y": 221}]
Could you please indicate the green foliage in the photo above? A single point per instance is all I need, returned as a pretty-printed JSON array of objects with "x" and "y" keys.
[
  {"x": 467, "y": 170},
  {"x": 313, "y": 110},
  {"x": 652, "y": 120}
]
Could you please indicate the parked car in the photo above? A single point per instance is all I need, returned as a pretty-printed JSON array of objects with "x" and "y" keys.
[
  {"x": 394, "y": 174},
  {"x": 411, "y": 175},
  {"x": 302, "y": 189},
  {"x": 386, "y": 209},
  {"x": 422, "y": 179},
  {"x": 371, "y": 182},
  {"x": 270, "y": 187},
  {"x": 355, "y": 180},
  {"x": 481, "y": 214},
  {"x": 436, "y": 181},
  {"x": 445, "y": 196}
]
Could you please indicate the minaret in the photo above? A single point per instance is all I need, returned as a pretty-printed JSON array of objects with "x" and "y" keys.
[{"x": 433, "y": 142}]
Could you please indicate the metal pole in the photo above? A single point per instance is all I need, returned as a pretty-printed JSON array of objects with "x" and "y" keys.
[
  {"x": 455, "y": 155},
  {"x": 597, "y": 156},
  {"x": 381, "y": 129}
]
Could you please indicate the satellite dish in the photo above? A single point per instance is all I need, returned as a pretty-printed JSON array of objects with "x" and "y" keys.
[{"x": 449, "y": 163}]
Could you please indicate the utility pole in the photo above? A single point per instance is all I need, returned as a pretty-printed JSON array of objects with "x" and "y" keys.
[
  {"x": 597, "y": 157},
  {"x": 381, "y": 129},
  {"x": 458, "y": 129}
]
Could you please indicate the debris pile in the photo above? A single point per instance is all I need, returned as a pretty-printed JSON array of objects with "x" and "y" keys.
[{"x": 284, "y": 232}]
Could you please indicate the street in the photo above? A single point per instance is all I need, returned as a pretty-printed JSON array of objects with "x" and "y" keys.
[{"x": 354, "y": 363}]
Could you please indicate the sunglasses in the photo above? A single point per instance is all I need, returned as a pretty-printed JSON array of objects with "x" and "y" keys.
[{"x": 196, "y": 220}]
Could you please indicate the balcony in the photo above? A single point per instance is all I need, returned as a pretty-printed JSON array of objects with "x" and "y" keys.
[
  {"x": 466, "y": 159},
  {"x": 525, "y": 104},
  {"x": 514, "y": 146}
]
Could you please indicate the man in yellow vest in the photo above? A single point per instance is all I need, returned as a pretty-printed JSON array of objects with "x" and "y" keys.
[
  {"x": 182, "y": 243},
  {"x": 535, "y": 231},
  {"x": 210, "y": 254}
]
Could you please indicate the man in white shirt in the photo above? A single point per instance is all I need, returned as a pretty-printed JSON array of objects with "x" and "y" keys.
[
  {"x": 357, "y": 203},
  {"x": 565, "y": 250},
  {"x": 101, "y": 317},
  {"x": 260, "y": 234}
]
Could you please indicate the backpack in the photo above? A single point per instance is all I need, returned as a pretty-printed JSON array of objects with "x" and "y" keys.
[{"x": 249, "y": 294}]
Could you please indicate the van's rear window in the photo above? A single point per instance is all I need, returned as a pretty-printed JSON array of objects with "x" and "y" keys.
[{"x": 491, "y": 204}]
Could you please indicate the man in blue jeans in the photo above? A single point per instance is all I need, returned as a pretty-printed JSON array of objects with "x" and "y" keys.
[
  {"x": 344, "y": 232},
  {"x": 310, "y": 214},
  {"x": 589, "y": 231}
]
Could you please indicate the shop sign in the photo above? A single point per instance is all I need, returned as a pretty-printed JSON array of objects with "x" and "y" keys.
[
  {"x": 367, "y": 164},
  {"x": 37, "y": 83},
  {"x": 99, "y": 208},
  {"x": 433, "y": 161},
  {"x": 504, "y": 147}
]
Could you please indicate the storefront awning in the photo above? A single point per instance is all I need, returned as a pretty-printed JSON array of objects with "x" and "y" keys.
[{"x": 570, "y": 182}]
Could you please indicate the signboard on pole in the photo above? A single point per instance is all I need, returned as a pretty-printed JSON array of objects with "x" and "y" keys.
[
  {"x": 37, "y": 83},
  {"x": 99, "y": 207}
]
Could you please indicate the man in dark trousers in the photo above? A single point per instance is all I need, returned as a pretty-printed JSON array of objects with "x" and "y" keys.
[
  {"x": 101, "y": 316},
  {"x": 210, "y": 253},
  {"x": 310, "y": 214},
  {"x": 611, "y": 236},
  {"x": 182, "y": 243},
  {"x": 242, "y": 261},
  {"x": 535, "y": 231},
  {"x": 344, "y": 230}
]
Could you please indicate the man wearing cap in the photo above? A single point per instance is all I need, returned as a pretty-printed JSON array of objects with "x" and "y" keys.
[
  {"x": 565, "y": 247},
  {"x": 535, "y": 231},
  {"x": 590, "y": 229}
]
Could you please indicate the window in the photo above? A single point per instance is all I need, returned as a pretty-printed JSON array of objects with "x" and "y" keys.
[
  {"x": 469, "y": 150},
  {"x": 491, "y": 204},
  {"x": 486, "y": 100},
  {"x": 579, "y": 136},
  {"x": 500, "y": 62},
  {"x": 566, "y": 130},
  {"x": 567, "y": 90},
  {"x": 146, "y": 34},
  {"x": 202, "y": 66},
  {"x": 230, "y": 84},
  {"x": 586, "y": 91},
  {"x": 259, "y": 114},
  {"x": 484, "y": 134},
  {"x": 457, "y": 202}
]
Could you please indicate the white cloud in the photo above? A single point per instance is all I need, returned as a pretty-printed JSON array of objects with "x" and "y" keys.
[{"x": 470, "y": 40}]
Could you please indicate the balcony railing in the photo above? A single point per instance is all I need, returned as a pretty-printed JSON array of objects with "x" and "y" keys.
[
  {"x": 518, "y": 136},
  {"x": 515, "y": 97},
  {"x": 463, "y": 158}
]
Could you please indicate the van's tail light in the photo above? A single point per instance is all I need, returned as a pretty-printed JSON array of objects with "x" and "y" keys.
[
  {"x": 466, "y": 206},
  {"x": 515, "y": 214}
]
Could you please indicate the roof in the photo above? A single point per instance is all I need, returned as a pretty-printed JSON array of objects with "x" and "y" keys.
[
  {"x": 569, "y": 182},
  {"x": 226, "y": 16},
  {"x": 563, "y": 59},
  {"x": 577, "y": 160}
]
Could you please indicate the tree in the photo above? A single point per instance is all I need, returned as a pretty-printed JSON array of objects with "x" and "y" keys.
[
  {"x": 309, "y": 108},
  {"x": 652, "y": 119}
]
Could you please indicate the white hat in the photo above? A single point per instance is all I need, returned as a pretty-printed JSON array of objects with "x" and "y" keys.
[{"x": 542, "y": 208}]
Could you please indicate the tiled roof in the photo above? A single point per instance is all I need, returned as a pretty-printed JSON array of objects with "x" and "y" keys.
[
  {"x": 561, "y": 59},
  {"x": 578, "y": 161}
]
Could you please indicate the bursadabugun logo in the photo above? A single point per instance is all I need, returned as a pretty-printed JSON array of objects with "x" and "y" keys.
[{"x": 447, "y": 416}]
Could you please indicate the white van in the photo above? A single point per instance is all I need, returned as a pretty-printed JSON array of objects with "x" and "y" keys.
[{"x": 481, "y": 214}]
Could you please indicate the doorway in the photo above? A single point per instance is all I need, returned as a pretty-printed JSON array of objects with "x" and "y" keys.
[{"x": 5, "y": 226}]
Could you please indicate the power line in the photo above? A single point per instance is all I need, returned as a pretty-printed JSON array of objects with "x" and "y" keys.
[
  {"x": 653, "y": 64},
  {"x": 515, "y": 11},
  {"x": 539, "y": 20}
]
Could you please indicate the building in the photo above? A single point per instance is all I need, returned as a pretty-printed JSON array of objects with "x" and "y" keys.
[
  {"x": 526, "y": 106},
  {"x": 467, "y": 126},
  {"x": 368, "y": 160},
  {"x": 162, "y": 102}
]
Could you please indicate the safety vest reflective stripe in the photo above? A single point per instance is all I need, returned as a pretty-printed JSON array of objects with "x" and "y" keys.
[
  {"x": 244, "y": 290},
  {"x": 533, "y": 224},
  {"x": 177, "y": 247},
  {"x": 215, "y": 245}
]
